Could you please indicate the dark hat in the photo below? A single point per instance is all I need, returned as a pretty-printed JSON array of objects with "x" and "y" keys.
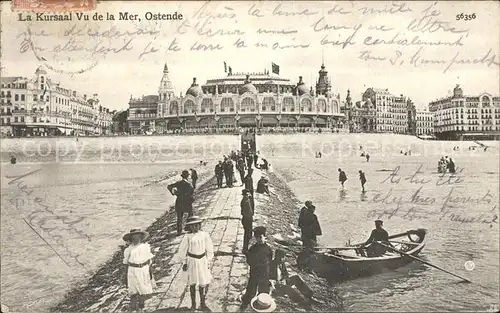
[
  {"x": 360, "y": 171},
  {"x": 185, "y": 174},
  {"x": 134, "y": 231},
  {"x": 244, "y": 192},
  {"x": 193, "y": 220},
  {"x": 379, "y": 222},
  {"x": 308, "y": 203},
  {"x": 259, "y": 230}
]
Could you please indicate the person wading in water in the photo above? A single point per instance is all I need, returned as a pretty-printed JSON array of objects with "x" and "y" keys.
[
  {"x": 342, "y": 177},
  {"x": 184, "y": 202},
  {"x": 362, "y": 178},
  {"x": 197, "y": 251}
]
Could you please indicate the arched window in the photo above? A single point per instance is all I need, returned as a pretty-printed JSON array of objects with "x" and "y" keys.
[
  {"x": 321, "y": 105},
  {"x": 207, "y": 105},
  {"x": 247, "y": 105},
  {"x": 189, "y": 106},
  {"x": 306, "y": 105},
  {"x": 268, "y": 104},
  {"x": 288, "y": 104},
  {"x": 335, "y": 107},
  {"x": 227, "y": 105}
]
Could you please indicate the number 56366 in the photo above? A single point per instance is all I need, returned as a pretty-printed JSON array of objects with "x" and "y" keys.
[{"x": 466, "y": 17}]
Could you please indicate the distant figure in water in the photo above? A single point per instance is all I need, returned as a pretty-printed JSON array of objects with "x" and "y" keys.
[
  {"x": 342, "y": 177},
  {"x": 13, "y": 160},
  {"x": 367, "y": 157},
  {"x": 451, "y": 166},
  {"x": 362, "y": 178},
  {"x": 362, "y": 154}
]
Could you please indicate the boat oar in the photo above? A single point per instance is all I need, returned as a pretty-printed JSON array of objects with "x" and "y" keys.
[{"x": 422, "y": 261}]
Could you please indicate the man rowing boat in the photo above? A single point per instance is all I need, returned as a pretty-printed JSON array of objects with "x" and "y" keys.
[{"x": 378, "y": 234}]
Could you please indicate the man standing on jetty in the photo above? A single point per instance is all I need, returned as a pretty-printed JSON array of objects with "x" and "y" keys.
[
  {"x": 259, "y": 259},
  {"x": 184, "y": 202},
  {"x": 240, "y": 166},
  {"x": 342, "y": 177},
  {"x": 248, "y": 181},
  {"x": 219, "y": 173},
  {"x": 229, "y": 172},
  {"x": 194, "y": 177},
  {"x": 246, "y": 219}
]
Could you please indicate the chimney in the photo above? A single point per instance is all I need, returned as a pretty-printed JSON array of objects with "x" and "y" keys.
[
  {"x": 74, "y": 93},
  {"x": 194, "y": 81},
  {"x": 300, "y": 80},
  {"x": 84, "y": 97}
]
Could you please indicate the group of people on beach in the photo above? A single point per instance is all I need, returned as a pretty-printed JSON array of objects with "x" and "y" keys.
[{"x": 446, "y": 164}]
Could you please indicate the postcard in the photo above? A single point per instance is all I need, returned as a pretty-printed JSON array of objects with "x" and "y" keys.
[{"x": 249, "y": 156}]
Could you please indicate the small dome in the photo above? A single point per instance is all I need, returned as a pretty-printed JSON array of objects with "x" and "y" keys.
[
  {"x": 457, "y": 91},
  {"x": 301, "y": 87},
  {"x": 195, "y": 89},
  {"x": 248, "y": 87},
  {"x": 41, "y": 70}
]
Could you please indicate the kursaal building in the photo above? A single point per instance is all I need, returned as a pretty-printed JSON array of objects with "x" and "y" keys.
[{"x": 241, "y": 100}]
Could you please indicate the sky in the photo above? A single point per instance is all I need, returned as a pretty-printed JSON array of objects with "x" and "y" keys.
[{"x": 435, "y": 45}]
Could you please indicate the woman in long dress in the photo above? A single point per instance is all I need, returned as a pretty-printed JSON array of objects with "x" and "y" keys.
[
  {"x": 197, "y": 251},
  {"x": 137, "y": 257}
]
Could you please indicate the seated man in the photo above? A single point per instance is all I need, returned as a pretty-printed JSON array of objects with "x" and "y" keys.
[
  {"x": 263, "y": 186},
  {"x": 378, "y": 234}
]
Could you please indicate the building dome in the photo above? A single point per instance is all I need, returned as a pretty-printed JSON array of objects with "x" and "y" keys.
[
  {"x": 195, "y": 89},
  {"x": 457, "y": 91},
  {"x": 40, "y": 70},
  {"x": 248, "y": 87},
  {"x": 301, "y": 87}
]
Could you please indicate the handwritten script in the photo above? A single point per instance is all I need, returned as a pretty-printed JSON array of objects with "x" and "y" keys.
[
  {"x": 421, "y": 202},
  {"x": 392, "y": 34},
  {"x": 43, "y": 218}
]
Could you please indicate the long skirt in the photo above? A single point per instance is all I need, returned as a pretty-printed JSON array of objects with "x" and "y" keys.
[
  {"x": 139, "y": 280},
  {"x": 198, "y": 272}
]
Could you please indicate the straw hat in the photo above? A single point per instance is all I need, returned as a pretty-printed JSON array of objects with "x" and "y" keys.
[
  {"x": 128, "y": 236},
  {"x": 193, "y": 220},
  {"x": 263, "y": 303}
]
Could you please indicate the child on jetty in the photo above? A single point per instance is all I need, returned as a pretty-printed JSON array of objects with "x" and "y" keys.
[
  {"x": 138, "y": 259},
  {"x": 197, "y": 252}
]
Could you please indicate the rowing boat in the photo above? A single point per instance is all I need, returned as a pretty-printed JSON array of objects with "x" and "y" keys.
[{"x": 350, "y": 262}]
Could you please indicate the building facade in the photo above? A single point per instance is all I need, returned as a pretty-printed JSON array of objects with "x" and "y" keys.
[
  {"x": 380, "y": 111},
  {"x": 142, "y": 114},
  {"x": 466, "y": 117},
  {"x": 41, "y": 107},
  {"x": 253, "y": 100},
  {"x": 425, "y": 123}
]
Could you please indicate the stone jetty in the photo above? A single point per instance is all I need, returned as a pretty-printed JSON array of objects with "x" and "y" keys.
[{"x": 220, "y": 208}]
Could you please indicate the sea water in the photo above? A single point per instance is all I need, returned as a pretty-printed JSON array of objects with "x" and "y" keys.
[{"x": 99, "y": 188}]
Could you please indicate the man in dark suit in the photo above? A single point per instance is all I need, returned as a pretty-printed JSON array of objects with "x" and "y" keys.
[
  {"x": 248, "y": 181},
  {"x": 184, "y": 202},
  {"x": 246, "y": 219},
  {"x": 219, "y": 174},
  {"x": 259, "y": 259}
]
